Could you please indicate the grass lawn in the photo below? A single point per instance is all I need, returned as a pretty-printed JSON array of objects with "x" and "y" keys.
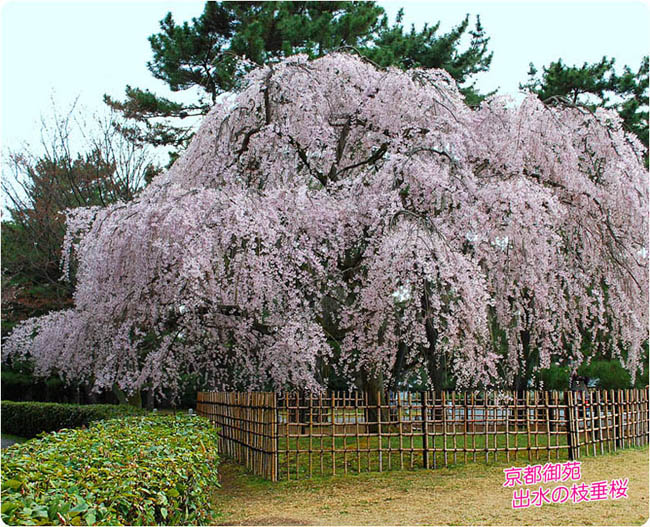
[
  {"x": 470, "y": 494},
  {"x": 406, "y": 452}
]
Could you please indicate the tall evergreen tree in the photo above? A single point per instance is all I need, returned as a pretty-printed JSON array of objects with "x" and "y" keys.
[
  {"x": 597, "y": 85},
  {"x": 428, "y": 49},
  {"x": 209, "y": 53}
]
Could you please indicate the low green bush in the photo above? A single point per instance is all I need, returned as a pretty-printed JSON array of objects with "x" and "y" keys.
[
  {"x": 555, "y": 377},
  {"x": 28, "y": 419},
  {"x": 607, "y": 374},
  {"x": 16, "y": 384},
  {"x": 154, "y": 470}
]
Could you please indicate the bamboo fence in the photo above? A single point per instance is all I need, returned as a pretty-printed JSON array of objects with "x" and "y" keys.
[{"x": 297, "y": 435}]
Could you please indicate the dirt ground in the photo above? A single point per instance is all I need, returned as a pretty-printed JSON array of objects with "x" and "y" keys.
[{"x": 470, "y": 494}]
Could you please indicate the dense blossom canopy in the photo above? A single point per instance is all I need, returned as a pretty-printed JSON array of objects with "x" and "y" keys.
[{"x": 334, "y": 216}]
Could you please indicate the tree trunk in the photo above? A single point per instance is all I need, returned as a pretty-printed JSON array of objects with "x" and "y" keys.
[
  {"x": 149, "y": 399},
  {"x": 133, "y": 400},
  {"x": 373, "y": 385},
  {"x": 520, "y": 383},
  {"x": 435, "y": 369},
  {"x": 398, "y": 367}
]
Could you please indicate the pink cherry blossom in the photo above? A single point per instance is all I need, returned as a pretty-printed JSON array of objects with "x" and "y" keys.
[{"x": 333, "y": 216}]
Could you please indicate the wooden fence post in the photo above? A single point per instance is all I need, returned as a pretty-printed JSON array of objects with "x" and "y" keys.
[
  {"x": 618, "y": 427},
  {"x": 425, "y": 432},
  {"x": 568, "y": 401},
  {"x": 276, "y": 442}
]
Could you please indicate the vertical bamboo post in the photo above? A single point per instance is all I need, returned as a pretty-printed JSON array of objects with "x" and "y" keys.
[
  {"x": 275, "y": 437},
  {"x": 454, "y": 424},
  {"x": 465, "y": 410},
  {"x": 592, "y": 420},
  {"x": 536, "y": 402},
  {"x": 444, "y": 425},
  {"x": 548, "y": 426},
  {"x": 646, "y": 412},
  {"x": 288, "y": 419},
  {"x": 311, "y": 434},
  {"x": 432, "y": 427},
  {"x": 400, "y": 430},
  {"x": 369, "y": 427},
  {"x": 321, "y": 415},
  {"x": 493, "y": 416},
  {"x": 333, "y": 430},
  {"x": 599, "y": 405},
  {"x": 507, "y": 431},
  {"x": 607, "y": 427},
  {"x": 356, "y": 428},
  {"x": 568, "y": 401},
  {"x": 486, "y": 427},
  {"x": 626, "y": 419},
  {"x": 473, "y": 421},
  {"x": 389, "y": 428},
  {"x": 411, "y": 414},
  {"x": 621, "y": 418},
  {"x": 425, "y": 432},
  {"x": 345, "y": 432},
  {"x": 530, "y": 456},
  {"x": 379, "y": 432},
  {"x": 636, "y": 417},
  {"x": 515, "y": 415}
]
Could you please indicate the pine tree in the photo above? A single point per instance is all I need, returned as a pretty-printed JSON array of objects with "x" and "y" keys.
[
  {"x": 597, "y": 85},
  {"x": 427, "y": 49},
  {"x": 213, "y": 51}
]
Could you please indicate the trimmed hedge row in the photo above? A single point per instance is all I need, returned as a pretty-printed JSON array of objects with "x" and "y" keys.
[
  {"x": 154, "y": 470},
  {"x": 28, "y": 419}
]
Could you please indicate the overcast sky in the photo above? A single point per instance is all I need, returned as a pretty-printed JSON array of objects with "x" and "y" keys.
[{"x": 87, "y": 49}]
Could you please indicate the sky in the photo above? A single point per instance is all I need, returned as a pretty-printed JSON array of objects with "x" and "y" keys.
[{"x": 64, "y": 50}]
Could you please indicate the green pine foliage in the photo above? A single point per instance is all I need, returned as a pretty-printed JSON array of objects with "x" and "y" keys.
[
  {"x": 428, "y": 49},
  {"x": 214, "y": 50},
  {"x": 154, "y": 470},
  {"x": 597, "y": 85}
]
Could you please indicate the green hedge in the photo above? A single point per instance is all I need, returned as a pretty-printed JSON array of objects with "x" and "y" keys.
[
  {"x": 28, "y": 419},
  {"x": 154, "y": 470}
]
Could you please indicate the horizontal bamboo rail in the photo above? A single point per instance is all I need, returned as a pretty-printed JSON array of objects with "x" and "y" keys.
[{"x": 297, "y": 435}]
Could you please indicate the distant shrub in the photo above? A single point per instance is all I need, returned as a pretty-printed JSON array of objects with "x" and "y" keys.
[
  {"x": 21, "y": 385},
  {"x": 154, "y": 470},
  {"x": 555, "y": 377},
  {"x": 28, "y": 419},
  {"x": 15, "y": 384},
  {"x": 604, "y": 374},
  {"x": 610, "y": 374}
]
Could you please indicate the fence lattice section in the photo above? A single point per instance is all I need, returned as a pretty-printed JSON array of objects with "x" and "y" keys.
[
  {"x": 247, "y": 427},
  {"x": 297, "y": 435}
]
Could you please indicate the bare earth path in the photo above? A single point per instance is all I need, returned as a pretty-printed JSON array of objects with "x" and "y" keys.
[{"x": 463, "y": 495}]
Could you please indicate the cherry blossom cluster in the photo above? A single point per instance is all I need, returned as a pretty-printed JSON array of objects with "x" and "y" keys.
[{"x": 337, "y": 218}]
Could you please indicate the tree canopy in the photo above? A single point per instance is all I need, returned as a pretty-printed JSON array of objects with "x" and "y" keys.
[
  {"x": 336, "y": 216},
  {"x": 214, "y": 50}
]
